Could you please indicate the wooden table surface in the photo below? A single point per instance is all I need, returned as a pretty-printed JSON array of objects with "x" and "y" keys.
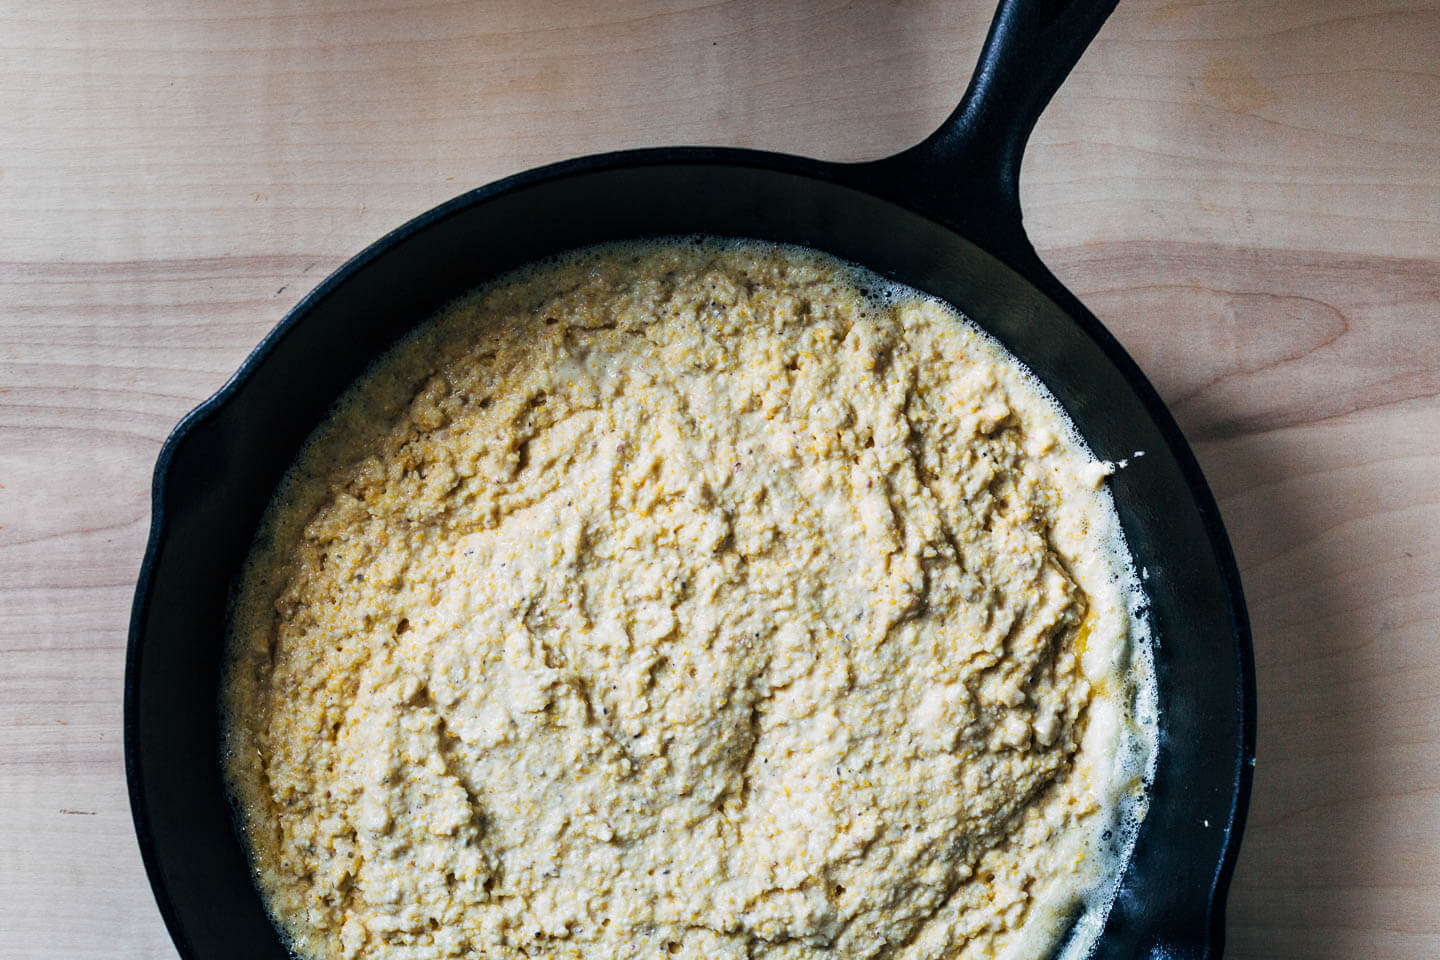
[{"x": 1247, "y": 193}]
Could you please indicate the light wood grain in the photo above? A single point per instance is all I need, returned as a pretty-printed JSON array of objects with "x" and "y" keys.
[{"x": 1247, "y": 193}]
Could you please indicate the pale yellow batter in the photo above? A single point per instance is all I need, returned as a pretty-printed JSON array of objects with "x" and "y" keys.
[{"x": 685, "y": 601}]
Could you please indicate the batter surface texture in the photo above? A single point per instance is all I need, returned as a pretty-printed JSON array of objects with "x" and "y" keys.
[{"x": 690, "y": 600}]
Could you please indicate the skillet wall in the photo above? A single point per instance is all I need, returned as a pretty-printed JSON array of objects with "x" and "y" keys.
[{"x": 216, "y": 474}]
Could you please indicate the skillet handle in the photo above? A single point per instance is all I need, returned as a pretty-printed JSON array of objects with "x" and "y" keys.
[{"x": 967, "y": 172}]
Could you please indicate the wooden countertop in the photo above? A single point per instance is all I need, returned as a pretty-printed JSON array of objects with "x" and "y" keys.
[{"x": 1248, "y": 194}]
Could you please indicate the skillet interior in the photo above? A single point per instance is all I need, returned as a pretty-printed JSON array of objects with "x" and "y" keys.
[{"x": 217, "y": 472}]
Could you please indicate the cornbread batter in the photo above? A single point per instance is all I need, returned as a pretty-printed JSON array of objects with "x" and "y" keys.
[{"x": 687, "y": 600}]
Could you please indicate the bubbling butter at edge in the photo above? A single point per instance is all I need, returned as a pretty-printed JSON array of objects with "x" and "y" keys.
[{"x": 695, "y": 598}]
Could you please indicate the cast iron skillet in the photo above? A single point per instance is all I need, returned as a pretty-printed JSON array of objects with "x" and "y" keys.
[{"x": 943, "y": 217}]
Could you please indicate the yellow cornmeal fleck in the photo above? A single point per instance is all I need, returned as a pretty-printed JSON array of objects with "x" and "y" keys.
[{"x": 680, "y": 601}]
